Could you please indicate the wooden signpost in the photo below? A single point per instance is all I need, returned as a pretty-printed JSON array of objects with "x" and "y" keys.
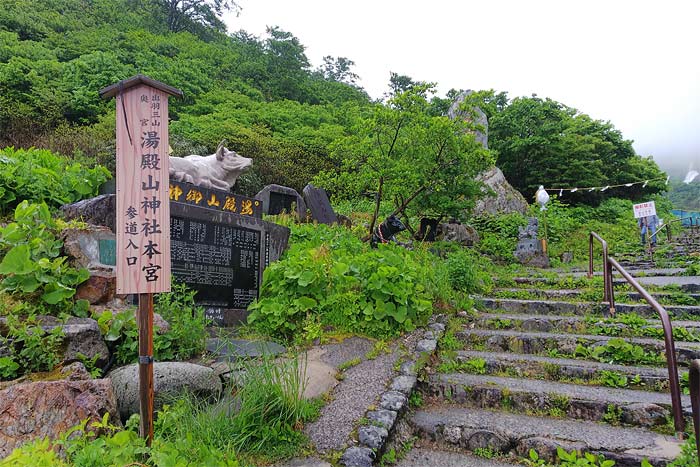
[{"x": 143, "y": 211}]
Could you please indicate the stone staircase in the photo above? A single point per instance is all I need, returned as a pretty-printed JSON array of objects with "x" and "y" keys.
[{"x": 540, "y": 367}]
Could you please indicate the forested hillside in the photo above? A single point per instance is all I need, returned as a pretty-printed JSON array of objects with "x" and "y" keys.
[{"x": 298, "y": 123}]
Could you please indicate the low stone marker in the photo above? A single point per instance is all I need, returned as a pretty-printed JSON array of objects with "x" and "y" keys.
[
  {"x": 319, "y": 204},
  {"x": 277, "y": 199}
]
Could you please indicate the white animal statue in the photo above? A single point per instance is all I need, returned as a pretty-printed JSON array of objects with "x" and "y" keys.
[{"x": 219, "y": 170}]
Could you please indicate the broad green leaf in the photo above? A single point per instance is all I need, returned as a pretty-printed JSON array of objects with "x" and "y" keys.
[
  {"x": 306, "y": 278},
  {"x": 56, "y": 292},
  {"x": 17, "y": 261},
  {"x": 305, "y": 303}
]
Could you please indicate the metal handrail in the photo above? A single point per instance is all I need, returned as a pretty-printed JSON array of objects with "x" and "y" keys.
[
  {"x": 670, "y": 348},
  {"x": 694, "y": 382},
  {"x": 608, "y": 295}
]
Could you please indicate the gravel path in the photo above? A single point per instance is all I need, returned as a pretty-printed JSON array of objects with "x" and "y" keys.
[{"x": 360, "y": 388}]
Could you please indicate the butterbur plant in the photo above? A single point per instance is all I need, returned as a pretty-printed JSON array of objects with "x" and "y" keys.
[
  {"x": 379, "y": 292},
  {"x": 32, "y": 265}
]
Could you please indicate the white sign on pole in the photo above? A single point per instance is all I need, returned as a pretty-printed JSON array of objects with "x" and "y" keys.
[{"x": 644, "y": 209}]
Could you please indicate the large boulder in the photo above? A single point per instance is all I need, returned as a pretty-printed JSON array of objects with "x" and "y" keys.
[
  {"x": 93, "y": 248},
  {"x": 170, "y": 379},
  {"x": 31, "y": 411},
  {"x": 473, "y": 115},
  {"x": 499, "y": 196},
  {"x": 465, "y": 235}
]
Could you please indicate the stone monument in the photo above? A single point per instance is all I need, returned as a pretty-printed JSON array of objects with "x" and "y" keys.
[{"x": 529, "y": 249}]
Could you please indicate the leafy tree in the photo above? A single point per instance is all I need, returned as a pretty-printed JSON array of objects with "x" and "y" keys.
[
  {"x": 338, "y": 69},
  {"x": 401, "y": 83},
  {"x": 543, "y": 142},
  {"x": 185, "y": 15},
  {"x": 424, "y": 164}
]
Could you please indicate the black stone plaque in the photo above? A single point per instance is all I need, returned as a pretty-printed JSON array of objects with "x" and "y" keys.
[
  {"x": 319, "y": 204},
  {"x": 220, "y": 261},
  {"x": 280, "y": 202}
]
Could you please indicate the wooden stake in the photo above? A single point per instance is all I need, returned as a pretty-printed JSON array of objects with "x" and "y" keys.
[{"x": 145, "y": 324}]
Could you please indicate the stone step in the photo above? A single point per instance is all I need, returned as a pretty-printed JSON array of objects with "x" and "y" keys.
[
  {"x": 514, "y": 435},
  {"x": 690, "y": 284},
  {"x": 560, "y": 369},
  {"x": 574, "y": 294},
  {"x": 560, "y": 400},
  {"x": 544, "y": 342},
  {"x": 550, "y": 307},
  {"x": 683, "y": 330},
  {"x": 422, "y": 457}
]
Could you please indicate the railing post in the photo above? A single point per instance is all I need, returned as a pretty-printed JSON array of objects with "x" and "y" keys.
[
  {"x": 590, "y": 255},
  {"x": 694, "y": 381}
]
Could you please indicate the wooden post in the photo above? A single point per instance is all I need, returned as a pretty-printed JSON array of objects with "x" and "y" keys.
[
  {"x": 143, "y": 211},
  {"x": 145, "y": 325}
]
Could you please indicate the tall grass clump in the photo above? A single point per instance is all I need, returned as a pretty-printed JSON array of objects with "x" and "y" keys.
[{"x": 260, "y": 416}]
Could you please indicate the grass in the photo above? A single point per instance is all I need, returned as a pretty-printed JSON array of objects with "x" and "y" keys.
[{"x": 261, "y": 419}]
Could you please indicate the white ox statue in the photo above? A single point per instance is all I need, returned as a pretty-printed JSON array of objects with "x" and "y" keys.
[{"x": 219, "y": 170}]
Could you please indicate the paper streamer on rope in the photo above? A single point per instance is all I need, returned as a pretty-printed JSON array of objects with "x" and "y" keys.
[{"x": 644, "y": 184}]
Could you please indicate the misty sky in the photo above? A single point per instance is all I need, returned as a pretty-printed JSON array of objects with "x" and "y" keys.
[{"x": 635, "y": 63}]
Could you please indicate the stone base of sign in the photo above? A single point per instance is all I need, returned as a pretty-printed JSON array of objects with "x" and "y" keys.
[
  {"x": 225, "y": 317},
  {"x": 277, "y": 198}
]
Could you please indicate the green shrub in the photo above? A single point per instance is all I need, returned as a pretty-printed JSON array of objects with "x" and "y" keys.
[
  {"x": 188, "y": 333},
  {"x": 468, "y": 272},
  {"x": 38, "y": 175},
  {"x": 330, "y": 275},
  {"x": 185, "y": 339},
  {"x": 31, "y": 266},
  {"x": 31, "y": 348}
]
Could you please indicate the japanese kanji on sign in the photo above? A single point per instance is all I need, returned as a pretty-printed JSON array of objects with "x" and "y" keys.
[
  {"x": 644, "y": 209},
  {"x": 142, "y": 208}
]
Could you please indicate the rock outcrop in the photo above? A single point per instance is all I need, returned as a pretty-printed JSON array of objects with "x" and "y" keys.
[
  {"x": 31, "y": 411},
  {"x": 499, "y": 196}
]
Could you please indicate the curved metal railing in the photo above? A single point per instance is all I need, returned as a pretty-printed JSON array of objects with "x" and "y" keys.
[{"x": 670, "y": 349}]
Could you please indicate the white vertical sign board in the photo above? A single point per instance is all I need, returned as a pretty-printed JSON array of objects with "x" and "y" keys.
[
  {"x": 644, "y": 209},
  {"x": 143, "y": 205}
]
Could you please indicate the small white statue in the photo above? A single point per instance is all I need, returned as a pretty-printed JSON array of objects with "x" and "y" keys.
[
  {"x": 219, "y": 170},
  {"x": 542, "y": 198}
]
